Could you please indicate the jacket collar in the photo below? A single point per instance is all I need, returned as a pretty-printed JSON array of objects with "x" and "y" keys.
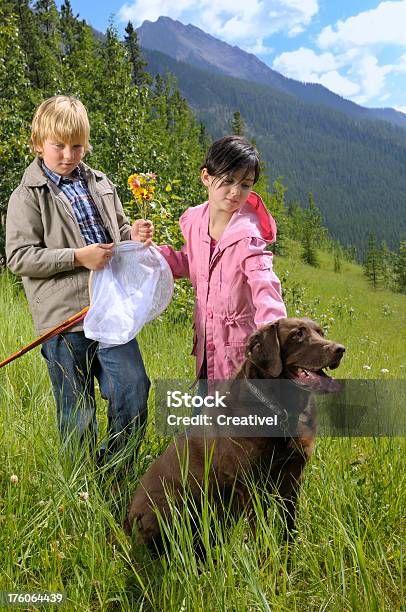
[
  {"x": 252, "y": 220},
  {"x": 77, "y": 174},
  {"x": 34, "y": 175}
]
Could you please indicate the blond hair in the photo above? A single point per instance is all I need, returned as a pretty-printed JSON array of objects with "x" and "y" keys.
[{"x": 63, "y": 119}]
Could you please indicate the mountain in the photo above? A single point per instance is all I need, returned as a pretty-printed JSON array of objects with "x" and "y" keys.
[
  {"x": 189, "y": 44},
  {"x": 356, "y": 169}
]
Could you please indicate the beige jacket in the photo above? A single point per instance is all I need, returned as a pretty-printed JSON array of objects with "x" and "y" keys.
[{"x": 41, "y": 236}]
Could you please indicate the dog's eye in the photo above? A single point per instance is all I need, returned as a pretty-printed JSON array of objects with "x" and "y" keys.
[{"x": 299, "y": 333}]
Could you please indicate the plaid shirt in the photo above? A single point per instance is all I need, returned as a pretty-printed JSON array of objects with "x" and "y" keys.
[{"x": 86, "y": 213}]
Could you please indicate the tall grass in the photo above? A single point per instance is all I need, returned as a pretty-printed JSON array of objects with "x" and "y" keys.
[{"x": 60, "y": 524}]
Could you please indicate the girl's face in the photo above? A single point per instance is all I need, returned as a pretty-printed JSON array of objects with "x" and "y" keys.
[{"x": 228, "y": 193}]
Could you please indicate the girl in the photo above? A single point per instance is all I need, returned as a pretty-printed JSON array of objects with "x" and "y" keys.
[{"x": 225, "y": 258}]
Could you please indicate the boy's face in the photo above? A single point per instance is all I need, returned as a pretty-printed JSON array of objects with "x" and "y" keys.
[{"x": 61, "y": 157}]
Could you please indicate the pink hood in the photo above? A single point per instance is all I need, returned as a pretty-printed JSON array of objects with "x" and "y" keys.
[{"x": 252, "y": 220}]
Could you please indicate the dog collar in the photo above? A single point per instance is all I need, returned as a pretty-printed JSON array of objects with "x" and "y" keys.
[{"x": 281, "y": 412}]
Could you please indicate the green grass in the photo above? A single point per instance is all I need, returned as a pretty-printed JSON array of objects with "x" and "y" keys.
[{"x": 350, "y": 547}]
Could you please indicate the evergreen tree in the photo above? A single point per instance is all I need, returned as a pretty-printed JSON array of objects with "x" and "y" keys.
[
  {"x": 400, "y": 268},
  {"x": 180, "y": 152},
  {"x": 139, "y": 75},
  {"x": 309, "y": 253},
  {"x": 159, "y": 85},
  {"x": 237, "y": 124},
  {"x": 82, "y": 69},
  {"x": 69, "y": 28},
  {"x": 49, "y": 49},
  {"x": 337, "y": 260},
  {"x": 116, "y": 70},
  {"x": 117, "y": 115},
  {"x": 387, "y": 262},
  {"x": 48, "y": 16},
  {"x": 31, "y": 41},
  {"x": 14, "y": 113},
  {"x": 350, "y": 253},
  {"x": 295, "y": 220},
  {"x": 313, "y": 233},
  {"x": 372, "y": 266},
  {"x": 315, "y": 219}
]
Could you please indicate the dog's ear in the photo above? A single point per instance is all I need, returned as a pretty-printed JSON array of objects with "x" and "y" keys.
[{"x": 264, "y": 351}]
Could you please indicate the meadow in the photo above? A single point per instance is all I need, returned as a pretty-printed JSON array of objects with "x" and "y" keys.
[{"x": 60, "y": 520}]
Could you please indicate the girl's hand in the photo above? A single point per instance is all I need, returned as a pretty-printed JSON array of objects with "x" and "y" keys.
[
  {"x": 93, "y": 256},
  {"x": 142, "y": 231}
]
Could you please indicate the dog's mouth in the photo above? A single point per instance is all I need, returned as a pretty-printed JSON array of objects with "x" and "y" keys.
[{"x": 314, "y": 380}]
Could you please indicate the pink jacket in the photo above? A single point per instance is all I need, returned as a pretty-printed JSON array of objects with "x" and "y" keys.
[{"x": 236, "y": 291}]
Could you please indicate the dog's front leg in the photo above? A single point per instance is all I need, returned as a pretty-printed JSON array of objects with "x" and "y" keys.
[
  {"x": 288, "y": 483},
  {"x": 243, "y": 504}
]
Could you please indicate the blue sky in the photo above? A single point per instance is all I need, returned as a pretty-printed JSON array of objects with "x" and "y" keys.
[{"x": 355, "y": 48}]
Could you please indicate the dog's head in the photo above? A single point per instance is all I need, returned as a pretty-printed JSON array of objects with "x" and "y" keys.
[{"x": 295, "y": 349}]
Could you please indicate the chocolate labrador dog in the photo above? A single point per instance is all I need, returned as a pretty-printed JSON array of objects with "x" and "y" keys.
[{"x": 290, "y": 351}]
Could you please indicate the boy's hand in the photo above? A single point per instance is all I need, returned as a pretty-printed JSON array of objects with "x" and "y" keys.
[
  {"x": 142, "y": 231},
  {"x": 93, "y": 256}
]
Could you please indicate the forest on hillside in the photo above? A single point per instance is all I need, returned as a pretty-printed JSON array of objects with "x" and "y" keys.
[
  {"x": 139, "y": 124},
  {"x": 354, "y": 168}
]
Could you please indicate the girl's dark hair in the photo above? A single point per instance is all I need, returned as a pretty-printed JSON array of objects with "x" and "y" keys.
[{"x": 229, "y": 154}]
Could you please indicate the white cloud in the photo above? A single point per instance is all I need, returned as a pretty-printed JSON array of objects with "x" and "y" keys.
[
  {"x": 259, "y": 48},
  {"x": 304, "y": 64},
  {"x": 401, "y": 109},
  {"x": 371, "y": 77},
  {"x": 400, "y": 67},
  {"x": 354, "y": 73},
  {"x": 298, "y": 29},
  {"x": 339, "y": 84},
  {"x": 384, "y": 24},
  {"x": 235, "y": 21},
  {"x": 348, "y": 60}
]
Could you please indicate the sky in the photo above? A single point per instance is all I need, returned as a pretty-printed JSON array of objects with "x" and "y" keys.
[{"x": 356, "y": 48}]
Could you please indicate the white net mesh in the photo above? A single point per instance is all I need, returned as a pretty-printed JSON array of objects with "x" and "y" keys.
[{"x": 132, "y": 289}]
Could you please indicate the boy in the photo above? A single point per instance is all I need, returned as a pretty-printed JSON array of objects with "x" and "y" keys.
[{"x": 62, "y": 221}]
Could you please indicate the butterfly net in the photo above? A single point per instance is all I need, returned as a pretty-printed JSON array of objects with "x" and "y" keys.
[{"x": 134, "y": 288}]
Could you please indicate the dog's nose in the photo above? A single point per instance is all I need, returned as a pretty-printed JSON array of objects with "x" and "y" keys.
[{"x": 339, "y": 349}]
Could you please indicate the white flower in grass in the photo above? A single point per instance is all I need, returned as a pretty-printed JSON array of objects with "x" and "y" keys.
[
  {"x": 385, "y": 371},
  {"x": 366, "y": 367},
  {"x": 84, "y": 496},
  {"x": 297, "y": 311},
  {"x": 14, "y": 479}
]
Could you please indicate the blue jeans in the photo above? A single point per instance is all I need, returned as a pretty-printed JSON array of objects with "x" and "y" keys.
[{"x": 73, "y": 362}]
